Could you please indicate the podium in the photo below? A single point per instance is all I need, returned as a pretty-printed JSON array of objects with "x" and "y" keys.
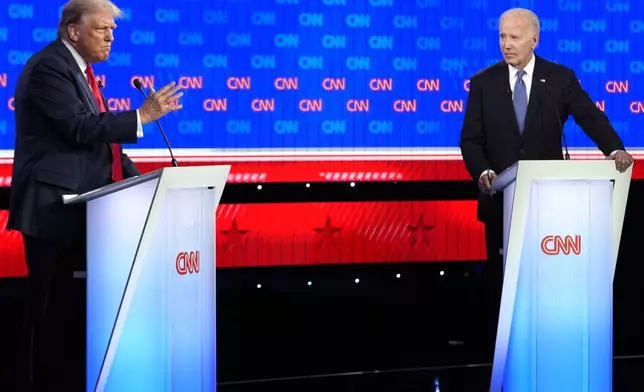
[
  {"x": 562, "y": 227},
  {"x": 151, "y": 297}
]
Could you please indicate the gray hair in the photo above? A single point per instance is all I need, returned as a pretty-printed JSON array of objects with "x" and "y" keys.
[
  {"x": 76, "y": 10},
  {"x": 528, "y": 15}
]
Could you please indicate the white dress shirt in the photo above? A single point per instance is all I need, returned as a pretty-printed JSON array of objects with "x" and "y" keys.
[{"x": 82, "y": 64}]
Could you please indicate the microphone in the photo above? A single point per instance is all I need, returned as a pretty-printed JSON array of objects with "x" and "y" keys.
[
  {"x": 563, "y": 134},
  {"x": 138, "y": 86},
  {"x": 100, "y": 87}
]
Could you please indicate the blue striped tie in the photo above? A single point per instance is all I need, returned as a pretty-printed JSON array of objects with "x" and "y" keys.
[{"x": 520, "y": 100}]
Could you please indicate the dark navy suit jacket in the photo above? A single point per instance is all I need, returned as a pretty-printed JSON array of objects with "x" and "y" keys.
[
  {"x": 490, "y": 137},
  {"x": 62, "y": 145}
]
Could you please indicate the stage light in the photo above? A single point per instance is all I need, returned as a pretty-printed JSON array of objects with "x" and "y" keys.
[
  {"x": 259, "y": 286},
  {"x": 259, "y": 187},
  {"x": 442, "y": 273},
  {"x": 310, "y": 283},
  {"x": 357, "y": 280},
  {"x": 398, "y": 276},
  {"x": 308, "y": 185},
  {"x": 352, "y": 184}
]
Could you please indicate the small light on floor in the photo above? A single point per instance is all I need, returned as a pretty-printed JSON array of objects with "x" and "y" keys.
[
  {"x": 259, "y": 286},
  {"x": 357, "y": 280},
  {"x": 308, "y": 185},
  {"x": 442, "y": 273},
  {"x": 352, "y": 184},
  {"x": 259, "y": 187},
  {"x": 398, "y": 276},
  {"x": 310, "y": 283}
]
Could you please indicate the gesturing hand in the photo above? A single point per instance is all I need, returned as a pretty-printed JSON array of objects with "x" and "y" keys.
[{"x": 160, "y": 103}]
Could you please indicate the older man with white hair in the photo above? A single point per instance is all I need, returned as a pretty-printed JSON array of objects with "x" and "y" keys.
[
  {"x": 67, "y": 142},
  {"x": 515, "y": 111}
]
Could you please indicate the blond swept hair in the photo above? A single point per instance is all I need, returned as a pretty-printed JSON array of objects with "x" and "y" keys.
[{"x": 75, "y": 11}]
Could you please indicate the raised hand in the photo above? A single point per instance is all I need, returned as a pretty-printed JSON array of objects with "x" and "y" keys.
[{"x": 159, "y": 103}]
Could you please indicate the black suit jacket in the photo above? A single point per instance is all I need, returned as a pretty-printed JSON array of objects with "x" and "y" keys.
[
  {"x": 490, "y": 137},
  {"x": 62, "y": 145}
]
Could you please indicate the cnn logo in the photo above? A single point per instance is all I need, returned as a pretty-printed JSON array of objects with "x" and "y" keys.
[
  {"x": 553, "y": 245},
  {"x": 188, "y": 262}
]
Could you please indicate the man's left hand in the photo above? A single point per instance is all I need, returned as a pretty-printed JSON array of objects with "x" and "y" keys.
[{"x": 623, "y": 160}]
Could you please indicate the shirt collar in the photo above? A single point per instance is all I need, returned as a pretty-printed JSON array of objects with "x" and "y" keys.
[
  {"x": 82, "y": 64},
  {"x": 529, "y": 68}
]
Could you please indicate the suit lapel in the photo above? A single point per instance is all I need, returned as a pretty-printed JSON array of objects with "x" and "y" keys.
[
  {"x": 505, "y": 97},
  {"x": 89, "y": 97},
  {"x": 536, "y": 91},
  {"x": 79, "y": 78}
]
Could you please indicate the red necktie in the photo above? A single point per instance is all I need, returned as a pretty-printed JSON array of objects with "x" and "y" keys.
[{"x": 117, "y": 166}]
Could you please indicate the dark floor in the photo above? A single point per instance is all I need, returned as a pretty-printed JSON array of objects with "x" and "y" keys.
[
  {"x": 468, "y": 378},
  {"x": 385, "y": 334}
]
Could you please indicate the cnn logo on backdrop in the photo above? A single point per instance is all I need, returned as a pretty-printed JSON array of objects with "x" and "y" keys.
[
  {"x": 553, "y": 245},
  {"x": 187, "y": 262}
]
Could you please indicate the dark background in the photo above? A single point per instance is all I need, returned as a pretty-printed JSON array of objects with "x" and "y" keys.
[{"x": 287, "y": 328}]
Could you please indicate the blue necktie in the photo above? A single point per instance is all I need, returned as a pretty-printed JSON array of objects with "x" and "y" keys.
[{"x": 520, "y": 100}]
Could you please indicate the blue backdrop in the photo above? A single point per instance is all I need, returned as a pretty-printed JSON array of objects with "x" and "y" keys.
[{"x": 333, "y": 73}]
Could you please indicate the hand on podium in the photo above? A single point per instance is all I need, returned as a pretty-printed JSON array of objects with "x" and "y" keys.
[
  {"x": 485, "y": 181},
  {"x": 623, "y": 160}
]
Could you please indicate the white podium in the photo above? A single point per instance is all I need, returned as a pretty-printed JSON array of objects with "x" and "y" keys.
[
  {"x": 151, "y": 296},
  {"x": 562, "y": 227}
]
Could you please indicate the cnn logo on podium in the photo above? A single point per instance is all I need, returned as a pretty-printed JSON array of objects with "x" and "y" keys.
[
  {"x": 188, "y": 262},
  {"x": 553, "y": 245}
]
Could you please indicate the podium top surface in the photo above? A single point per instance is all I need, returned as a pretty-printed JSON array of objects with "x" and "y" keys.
[
  {"x": 560, "y": 170},
  {"x": 177, "y": 177}
]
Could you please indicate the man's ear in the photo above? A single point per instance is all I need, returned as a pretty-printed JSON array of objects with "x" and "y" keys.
[{"x": 73, "y": 33}]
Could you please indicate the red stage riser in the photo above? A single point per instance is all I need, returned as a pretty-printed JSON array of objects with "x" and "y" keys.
[
  {"x": 285, "y": 234},
  {"x": 280, "y": 234}
]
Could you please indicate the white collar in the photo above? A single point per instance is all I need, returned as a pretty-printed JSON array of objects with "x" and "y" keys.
[
  {"x": 529, "y": 68},
  {"x": 82, "y": 64}
]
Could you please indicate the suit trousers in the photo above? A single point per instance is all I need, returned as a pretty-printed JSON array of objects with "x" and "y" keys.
[
  {"x": 493, "y": 276},
  {"x": 55, "y": 325}
]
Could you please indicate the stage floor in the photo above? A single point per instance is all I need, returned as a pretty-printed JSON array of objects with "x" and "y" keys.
[
  {"x": 459, "y": 378},
  {"x": 344, "y": 338}
]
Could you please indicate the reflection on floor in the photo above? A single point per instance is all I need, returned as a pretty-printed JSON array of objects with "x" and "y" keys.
[{"x": 467, "y": 378}]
